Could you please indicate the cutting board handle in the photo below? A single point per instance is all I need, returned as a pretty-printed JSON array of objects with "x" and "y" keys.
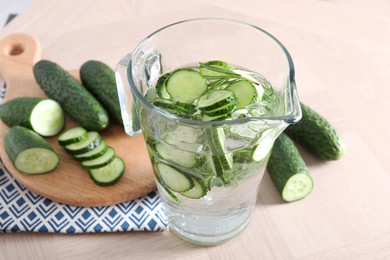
[{"x": 18, "y": 52}]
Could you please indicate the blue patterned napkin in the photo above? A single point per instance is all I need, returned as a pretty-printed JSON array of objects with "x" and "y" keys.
[{"x": 23, "y": 210}]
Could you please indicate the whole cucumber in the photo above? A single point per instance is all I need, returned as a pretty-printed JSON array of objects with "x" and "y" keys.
[
  {"x": 75, "y": 100},
  {"x": 99, "y": 79},
  {"x": 288, "y": 171},
  {"x": 317, "y": 135},
  {"x": 29, "y": 152}
]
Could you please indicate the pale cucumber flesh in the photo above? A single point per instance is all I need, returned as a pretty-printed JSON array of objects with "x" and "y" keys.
[
  {"x": 36, "y": 161},
  {"x": 47, "y": 118},
  {"x": 297, "y": 187}
]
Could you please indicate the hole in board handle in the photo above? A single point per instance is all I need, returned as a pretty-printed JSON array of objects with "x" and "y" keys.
[{"x": 14, "y": 49}]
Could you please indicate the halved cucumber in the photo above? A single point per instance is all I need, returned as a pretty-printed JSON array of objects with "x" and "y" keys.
[
  {"x": 244, "y": 91},
  {"x": 288, "y": 170},
  {"x": 42, "y": 115},
  {"x": 100, "y": 161},
  {"x": 108, "y": 174},
  {"x": 186, "y": 85},
  {"x": 86, "y": 145},
  {"x": 72, "y": 135},
  {"x": 29, "y": 152},
  {"x": 180, "y": 157},
  {"x": 94, "y": 153},
  {"x": 174, "y": 179}
]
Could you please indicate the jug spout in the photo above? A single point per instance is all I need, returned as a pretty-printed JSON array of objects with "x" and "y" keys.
[{"x": 127, "y": 104}]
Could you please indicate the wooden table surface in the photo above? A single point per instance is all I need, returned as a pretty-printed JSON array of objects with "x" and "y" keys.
[{"x": 341, "y": 51}]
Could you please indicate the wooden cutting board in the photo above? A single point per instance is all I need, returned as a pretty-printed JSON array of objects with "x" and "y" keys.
[{"x": 70, "y": 183}]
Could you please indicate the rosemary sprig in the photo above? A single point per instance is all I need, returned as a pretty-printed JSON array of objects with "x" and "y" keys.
[{"x": 220, "y": 70}]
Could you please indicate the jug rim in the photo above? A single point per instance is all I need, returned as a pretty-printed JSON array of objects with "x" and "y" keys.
[{"x": 295, "y": 109}]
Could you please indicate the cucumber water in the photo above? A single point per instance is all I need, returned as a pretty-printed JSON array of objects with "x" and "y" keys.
[{"x": 201, "y": 163}]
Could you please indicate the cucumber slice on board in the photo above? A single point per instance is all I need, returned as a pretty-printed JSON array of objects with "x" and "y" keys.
[
  {"x": 86, "y": 145},
  {"x": 288, "y": 171},
  {"x": 108, "y": 174},
  {"x": 29, "y": 152},
  {"x": 100, "y": 161},
  {"x": 174, "y": 179},
  {"x": 72, "y": 135},
  {"x": 94, "y": 153},
  {"x": 42, "y": 115},
  {"x": 186, "y": 85}
]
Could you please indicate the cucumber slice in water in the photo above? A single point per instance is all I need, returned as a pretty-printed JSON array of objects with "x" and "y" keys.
[
  {"x": 180, "y": 157},
  {"x": 161, "y": 87},
  {"x": 217, "y": 99},
  {"x": 244, "y": 91},
  {"x": 186, "y": 85},
  {"x": 197, "y": 192},
  {"x": 174, "y": 179},
  {"x": 222, "y": 160}
]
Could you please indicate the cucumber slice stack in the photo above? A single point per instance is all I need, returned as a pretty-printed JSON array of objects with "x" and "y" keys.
[
  {"x": 105, "y": 167},
  {"x": 212, "y": 91}
]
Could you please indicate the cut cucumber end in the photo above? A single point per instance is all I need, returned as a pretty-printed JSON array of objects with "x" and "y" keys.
[
  {"x": 47, "y": 118},
  {"x": 297, "y": 187},
  {"x": 36, "y": 161}
]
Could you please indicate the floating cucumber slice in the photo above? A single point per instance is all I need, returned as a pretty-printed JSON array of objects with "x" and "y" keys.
[
  {"x": 186, "y": 85},
  {"x": 174, "y": 179},
  {"x": 198, "y": 191}
]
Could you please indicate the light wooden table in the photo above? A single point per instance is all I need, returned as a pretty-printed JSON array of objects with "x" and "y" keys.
[{"x": 341, "y": 51}]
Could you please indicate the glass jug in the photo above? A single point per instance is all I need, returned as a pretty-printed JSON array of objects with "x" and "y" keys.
[{"x": 220, "y": 197}]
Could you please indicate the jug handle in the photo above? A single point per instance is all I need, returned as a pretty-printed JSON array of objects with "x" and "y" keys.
[{"x": 127, "y": 104}]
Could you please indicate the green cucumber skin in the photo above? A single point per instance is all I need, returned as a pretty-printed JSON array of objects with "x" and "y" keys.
[
  {"x": 99, "y": 79},
  {"x": 317, "y": 135},
  {"x": 74, "y": 99},
  {"x": 18, "y": 111},
  {"x": 19, "y": 138},
  {"x": 284, "y": 162}
]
